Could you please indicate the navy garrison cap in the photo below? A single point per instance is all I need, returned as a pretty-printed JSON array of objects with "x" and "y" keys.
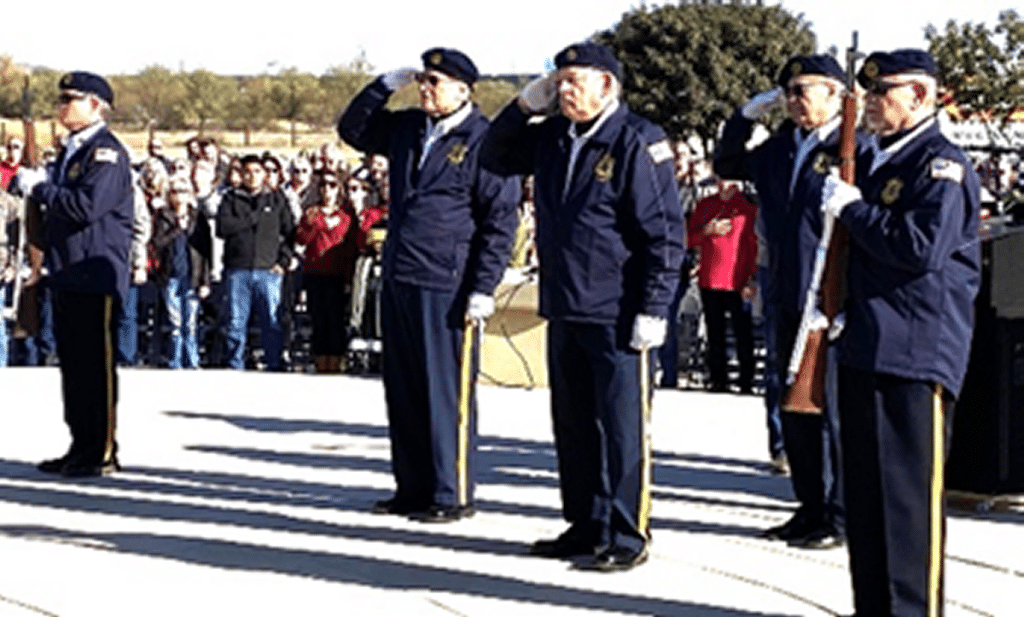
[
  {"x": 451, "y": 62},
  {"x": 880, "y": 64},
  {"x": 90, "y": 83},
  {"x": 811, "y": 65},
  {"x": 589, "y": 54}
]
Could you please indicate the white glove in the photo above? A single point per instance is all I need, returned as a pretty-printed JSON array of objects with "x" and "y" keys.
[
  {"x": 28, "y": 178},
  {"x": 762, "y": 103},
  {"x": 836, "y": 329},
  {"x": 837, "y": 194},
  {"x": 540, "y": 95},
  {"x": 648, "y": 332},
  {"x": 399, "y": 78},
  {"x": 480, "y": 307}
]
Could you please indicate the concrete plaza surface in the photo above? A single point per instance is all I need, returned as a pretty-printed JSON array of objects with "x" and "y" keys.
[{"x": 248, "y": 494}]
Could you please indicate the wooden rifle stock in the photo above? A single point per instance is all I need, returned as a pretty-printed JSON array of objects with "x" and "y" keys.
[{"x": 806, "y": 392}]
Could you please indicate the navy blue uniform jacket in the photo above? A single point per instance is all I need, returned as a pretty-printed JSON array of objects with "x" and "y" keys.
[
  {"x": 914, "y": 263},
  {"x": 89, "y": 217},
  {"x": 613, "y": 247},
  {"x": 446, "y": 215},
  {"x": 792, "y": 222}
]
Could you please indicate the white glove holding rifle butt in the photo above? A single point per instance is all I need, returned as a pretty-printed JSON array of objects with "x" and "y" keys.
[
  {"x": 648, "y": 332},
  {"x": 540, "y": 96},
  {"x": 399, "y": 78},
  {"x": 479, "y": 307},
  {"x": 837, "y": 194},
  {"x": 762, "y": 103}
]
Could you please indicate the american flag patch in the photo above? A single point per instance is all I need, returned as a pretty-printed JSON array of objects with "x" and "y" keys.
[
  {"x": 660, "y": 152},
  {"x": 105, "y": 155},
  {"x": 945, "y": 169}
]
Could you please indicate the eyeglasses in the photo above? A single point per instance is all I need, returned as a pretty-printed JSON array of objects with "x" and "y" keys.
[
  {"x": 301, "y": 171},
  {"x": 356, "y": 188},
  {"x": 429, "y": 78},
  {"x": 65, "y": 98},
  {"x": 798, "y": 90},
  {"x": 329, "y": 185},
  {"x": 882, "y": 88}
]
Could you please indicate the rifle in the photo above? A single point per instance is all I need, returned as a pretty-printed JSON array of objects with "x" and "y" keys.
[
  {"x": 806, "y": 373},
  {"x": 25, "y": 297}
]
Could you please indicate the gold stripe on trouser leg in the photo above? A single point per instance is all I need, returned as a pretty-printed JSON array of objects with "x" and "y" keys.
[
  {"x": 108, "y": 367},
  {"x": 465, "y": 392},
  {"x": 644, "y": 511},
  {"x": 935, "y": 542}
]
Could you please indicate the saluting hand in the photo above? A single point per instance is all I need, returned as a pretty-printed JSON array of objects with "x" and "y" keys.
[
  {"x": 761, "y": 104},
  {"x": 540, "y": 96},
  {"x": 399, "y": 78}
]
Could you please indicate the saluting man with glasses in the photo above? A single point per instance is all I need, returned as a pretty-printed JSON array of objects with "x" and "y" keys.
[
  {"x": 89, "y": 211},
  {"x": 913, "y": 273},
  {"x": 788, "y": 171},
  {"x": 449, "y": 237}
]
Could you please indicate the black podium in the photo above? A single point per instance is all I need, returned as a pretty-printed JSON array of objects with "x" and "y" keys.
[{"x": 987, "y": 448}]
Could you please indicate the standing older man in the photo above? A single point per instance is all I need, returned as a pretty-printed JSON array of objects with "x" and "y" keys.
[
  {"x": 89, "y": 204},
  {"x": 610, "y": 242},
  {"x": 913, "y": 273},
  {"x": 450, "y": 230},
  {"x": 788, "y": 170}
]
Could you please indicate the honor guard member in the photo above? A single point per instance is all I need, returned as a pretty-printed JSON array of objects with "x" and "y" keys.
[
  {"x": 89, "y": 209},
  {"x": 449, "y": 236},
  {"x": 610, "y": 243},
  {"x": 913, "y": 274},
  {"x": 789, "y": 169}
]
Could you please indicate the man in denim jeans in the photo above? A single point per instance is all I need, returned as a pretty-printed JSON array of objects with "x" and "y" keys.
[{"x": 257, "y": 227}]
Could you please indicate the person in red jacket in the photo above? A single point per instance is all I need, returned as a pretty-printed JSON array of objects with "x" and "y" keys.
[
  {"x": 330, "y": 234},
  {"x": 721, "y": 229}
]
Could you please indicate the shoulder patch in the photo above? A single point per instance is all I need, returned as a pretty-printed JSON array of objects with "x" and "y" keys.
[
  {"x": 105, "y": 155},
  {"x": 660, "y": 151},
  {"x": 945, "y": 169}
]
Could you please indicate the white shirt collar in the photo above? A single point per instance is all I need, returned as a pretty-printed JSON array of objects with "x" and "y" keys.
[
  {"x": 75, "y": 140},
  {"x": 446, "y": 124},
  {"x": 880, "y": 157},
  {"x": 604, "y": 115},
  {"x": 820, "y": 134}
]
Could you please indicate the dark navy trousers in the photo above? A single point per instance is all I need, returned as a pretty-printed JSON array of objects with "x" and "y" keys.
[
  {"x": 422, "y": 345},
  {"x": 812, "y": 441},
  {"x": 86, "y": 331},
  {"x": 894, "y": 439},
  {"x": 604, "y": 469}
]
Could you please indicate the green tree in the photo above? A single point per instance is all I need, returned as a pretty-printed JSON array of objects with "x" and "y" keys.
[
  {"x": 207, "y": 96},
  {"x": 340, "y": 84},
  {"x": 982, "y": 68},
  {"x": 491, "y": 95},
  {"x": 249, "y": 108},
  {"x": 294, "y": 96},
  {"x": 153, "y": 97},
  {"x": 688, "y": 67}
]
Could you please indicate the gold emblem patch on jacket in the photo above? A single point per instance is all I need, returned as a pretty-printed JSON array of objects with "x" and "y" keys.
[
  {"x": 822, "y": 162},
  {"x": 605, "y": 168},
  {"x": 891, "y": 191},
  {"x": 74, "y": 171},
  {"x": 457, "y": 154}
]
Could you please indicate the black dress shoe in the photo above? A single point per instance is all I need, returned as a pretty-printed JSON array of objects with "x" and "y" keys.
[
  {"x": 398, "y": 506},
  {"x": 796, "y": 527},
  {"x": 616, "y": 559},
  {"x": 79, "y": 470},
  {"x": 53, "y": 465},
  {"x": 572, "y": 543},
  {"x": 822, "y": 538},
  {"x": 444, "y": 514}
]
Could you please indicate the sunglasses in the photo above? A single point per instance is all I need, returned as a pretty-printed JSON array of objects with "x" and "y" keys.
[
  {"x": 431, "y": 79},
  {"x": 356, "y": 188},
  {"x": 798, "y": 90},
  {"x": 64, "y": 98},
  {"x": 882, "y": 88}
]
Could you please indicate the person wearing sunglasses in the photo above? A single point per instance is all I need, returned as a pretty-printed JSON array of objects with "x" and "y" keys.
[
  {"x": 610, "y": 241},
  {"x": 89, "y": 202},
  {"x": 450, "y": 229},
  {"x": 914, "y": 269},
  {"x": 788, "y": 170},
  {"x": 328, "y": 233}
]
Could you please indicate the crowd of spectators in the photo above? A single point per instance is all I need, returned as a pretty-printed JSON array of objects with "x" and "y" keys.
[{"x": 291, "y": 243}]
